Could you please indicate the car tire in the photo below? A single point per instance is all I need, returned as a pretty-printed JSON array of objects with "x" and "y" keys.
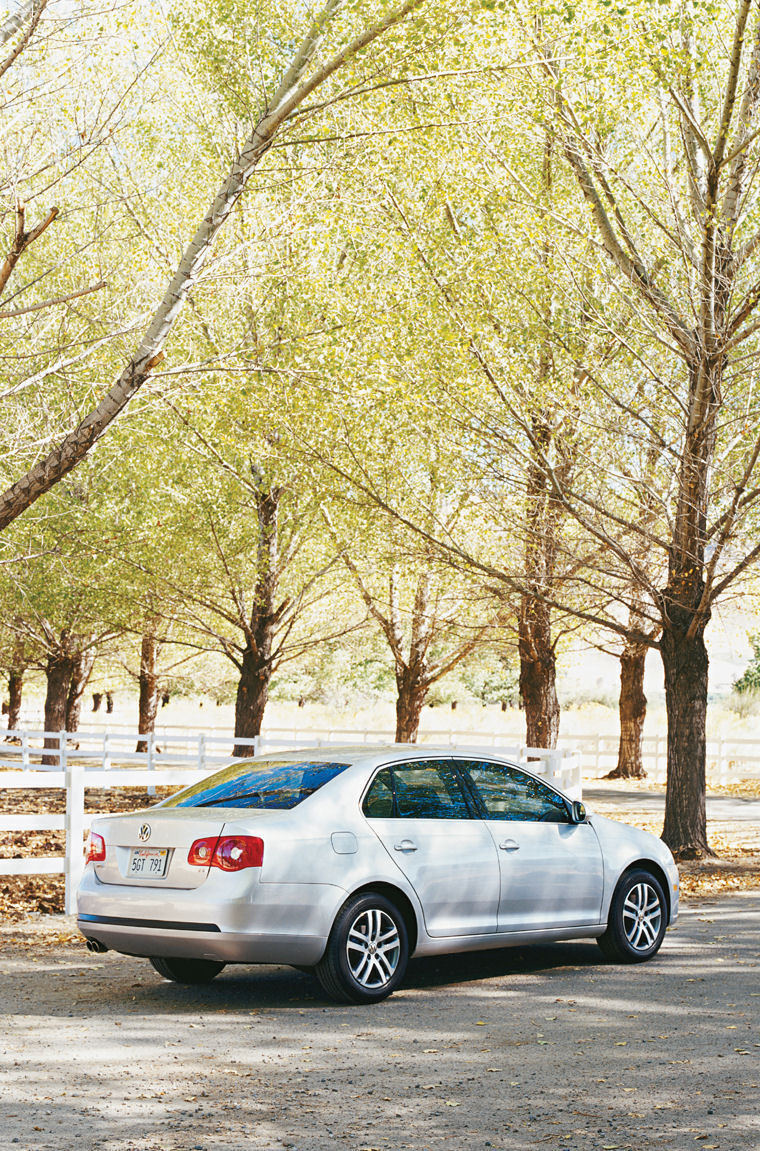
[
  {"x": 187, "y": 970},
  {"x": 367, "y": 952},
  {"x": 638, "y": 919}
]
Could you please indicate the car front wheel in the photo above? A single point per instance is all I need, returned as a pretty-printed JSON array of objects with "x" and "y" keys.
[
  {"x": 187, "y": 970},
  {"x": 367, "y": 952},
  {"x": 637, "y": 921}
]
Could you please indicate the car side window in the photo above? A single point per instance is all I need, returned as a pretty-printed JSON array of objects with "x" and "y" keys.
[
  {"x": 378, "y": 802},
  {"x": 508, "y": 793},
  {"x": 425, "y": 789}
]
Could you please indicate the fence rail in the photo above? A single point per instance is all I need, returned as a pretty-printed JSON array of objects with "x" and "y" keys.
[
  {"x": 74, "y": 772},
  {"x": 727, "y": 758}
]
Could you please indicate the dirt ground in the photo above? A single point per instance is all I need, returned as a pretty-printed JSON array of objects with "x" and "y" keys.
[{"x": 511, "y": 1050}]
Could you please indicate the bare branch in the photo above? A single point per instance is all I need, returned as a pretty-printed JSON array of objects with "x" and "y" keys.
[
  {"x": 56, "y": 300},
  {"x": 21, "y": 241},
  {"x": 33, "y": 8}
]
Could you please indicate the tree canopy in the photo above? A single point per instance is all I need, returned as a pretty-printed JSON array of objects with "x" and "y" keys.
[{"x": 442, "y": 323}]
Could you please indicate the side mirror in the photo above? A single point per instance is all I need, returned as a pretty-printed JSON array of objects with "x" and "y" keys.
[{"x": 578, "y": 811}]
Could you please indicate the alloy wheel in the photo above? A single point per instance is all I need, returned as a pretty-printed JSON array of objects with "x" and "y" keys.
[
  {"x": 373, "y": 948},
  {"x": 642, "y": 916}
]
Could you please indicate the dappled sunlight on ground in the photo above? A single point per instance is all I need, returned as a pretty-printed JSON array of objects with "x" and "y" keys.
[{"x": 513, "y": 1049}]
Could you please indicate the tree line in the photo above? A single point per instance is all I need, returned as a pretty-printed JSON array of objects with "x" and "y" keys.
[{"x": 445, "y": 321}]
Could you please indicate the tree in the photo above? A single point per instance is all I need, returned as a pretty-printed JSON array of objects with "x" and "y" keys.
[
  {"x": 17, "y": 659},
  {"x": 302, "y": 76},
  {"x": 749, "y": 680},
  {"x": 680, "y": 232},
  {"x": 420, "y": 614},
  {"x": 666, "y": 237}
]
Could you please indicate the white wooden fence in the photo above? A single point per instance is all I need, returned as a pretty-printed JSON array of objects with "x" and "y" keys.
[
  {"x": 727, "y": 758},
  {"x": 75, "y": 822},
  {"x": 91, "y": 765}
]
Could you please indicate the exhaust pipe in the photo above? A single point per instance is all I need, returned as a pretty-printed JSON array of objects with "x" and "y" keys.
[{"x": 95, "y": 946}]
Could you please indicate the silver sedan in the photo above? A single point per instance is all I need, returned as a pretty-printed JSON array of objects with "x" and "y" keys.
[{"x": 350, "y": 860}]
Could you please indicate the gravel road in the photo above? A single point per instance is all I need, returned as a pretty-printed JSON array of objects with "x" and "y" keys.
[
  {"x": 720, "y": 808},
  {"x": 542, "y": 1047}
]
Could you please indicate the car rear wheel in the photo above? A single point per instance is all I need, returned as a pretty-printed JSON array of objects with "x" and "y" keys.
[
  {"x": 638, "y": 919},
  {"x": 367, "y": 952},
  {"x": 187, "y": 970}
]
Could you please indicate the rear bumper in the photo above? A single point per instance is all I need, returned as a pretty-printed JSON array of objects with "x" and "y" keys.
[
  {"x": 190, "y": 941},
  {"x": 228, "y": 918}
]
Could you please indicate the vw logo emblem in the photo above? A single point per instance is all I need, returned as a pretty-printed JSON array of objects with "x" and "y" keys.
[{"x": 144, "y": 832}]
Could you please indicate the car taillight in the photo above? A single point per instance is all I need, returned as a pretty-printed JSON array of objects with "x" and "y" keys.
[
  {"x": 228, "y": 852},
  {"x": 235, "y": 852},
  {"x": 95, "y": 852},
  {"x": 201, "y": 852}
]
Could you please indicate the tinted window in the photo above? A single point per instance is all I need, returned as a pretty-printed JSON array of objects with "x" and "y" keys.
[
  {"x": 266, "y": 783},
  {"x": 428, "y": 789},
  {"x": 378, "y": 801},
  {"x": 508, "y": 793}
]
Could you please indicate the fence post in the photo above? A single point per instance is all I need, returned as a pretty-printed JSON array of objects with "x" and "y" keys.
[
  {"x": 74, "y": 864},
  {"x": 25, "y": 760},
  {"x": 554, "y": 767},
  {"x": 201, "y": 752},
  {"x": 722, "y": 760},
  {"x": 62, "y": 750},
  {"x": 151, "y": 760},
  {"x": 106, "y": 751}
]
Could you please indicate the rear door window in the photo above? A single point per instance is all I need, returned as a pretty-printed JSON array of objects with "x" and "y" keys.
[{"x": 425, "y": 789}]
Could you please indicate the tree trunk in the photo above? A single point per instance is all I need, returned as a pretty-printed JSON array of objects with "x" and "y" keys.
[
  {"x": 538, "y": 689},
  {"x": 412, "y": 688},
  {"x": 632, "y": 709},
  {"x": 58, "y": 672},
  {"x": 81, "y": 670},
  {"x": 16, "y": 673},
  {"x": 538, "y": 673},
  {"x": 685, "y": 662},
  {"x": 148, "y": 687},
  {"x": 257, "y": 667},
  {"x": 15, "y": 692},
  {"x": 251, "y": 701}
]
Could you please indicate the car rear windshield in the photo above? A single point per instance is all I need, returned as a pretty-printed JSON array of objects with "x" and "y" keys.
[{"x": 269, "y": 783}]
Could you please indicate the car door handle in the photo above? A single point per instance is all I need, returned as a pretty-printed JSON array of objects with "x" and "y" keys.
[
  {"x": 509, "y": 845},
  {"x": 405, "y": 845}
]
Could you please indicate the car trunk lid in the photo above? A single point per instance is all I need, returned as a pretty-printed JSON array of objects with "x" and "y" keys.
[{"x": 149, "y": 849}]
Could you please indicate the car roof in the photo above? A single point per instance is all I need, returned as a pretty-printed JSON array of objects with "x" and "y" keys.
[{"x": 369, "y": 753}]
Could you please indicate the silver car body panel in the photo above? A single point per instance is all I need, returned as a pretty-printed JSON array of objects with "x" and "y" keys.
[
  {"x": 550, "y": 873},
  {"x": 428, "y": 852},
  {"x": 324, "y": 849},
  {"x": 623, "y": 846}
]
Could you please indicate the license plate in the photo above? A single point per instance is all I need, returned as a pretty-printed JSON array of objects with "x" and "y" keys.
[{"x": 149, "y": 862}]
